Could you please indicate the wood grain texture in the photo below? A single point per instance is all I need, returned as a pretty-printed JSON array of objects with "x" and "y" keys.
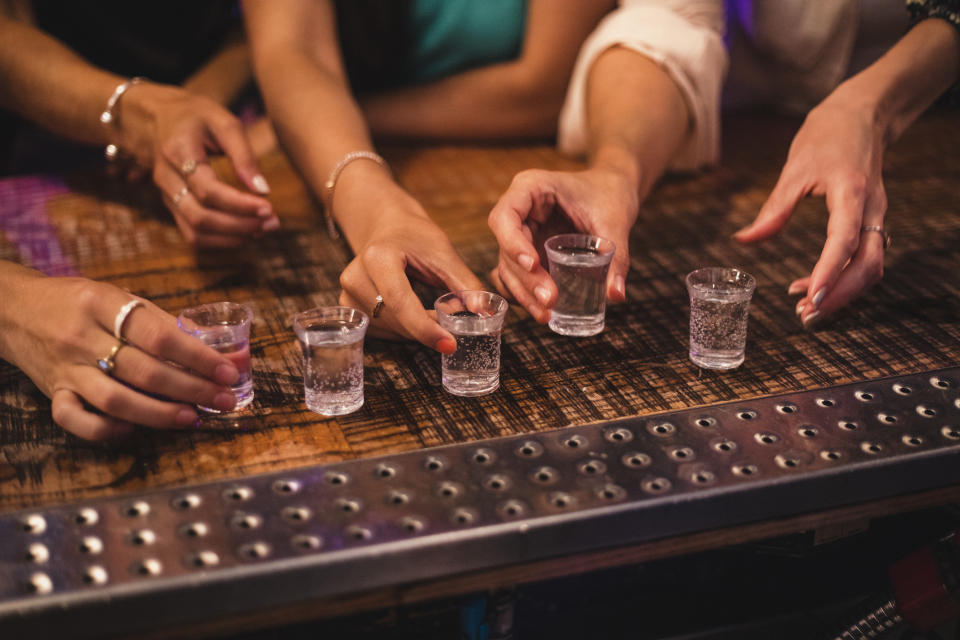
[{"x": 89, "y": 225}]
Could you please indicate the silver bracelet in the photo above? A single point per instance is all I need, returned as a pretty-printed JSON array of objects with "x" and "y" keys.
[
  {"x": 331, "y": 183},
  {"x": 112, "y": 151}
]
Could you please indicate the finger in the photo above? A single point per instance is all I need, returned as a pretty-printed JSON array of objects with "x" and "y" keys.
[
  {"x": 186, "y": 207},
  {"x": 775, "y": 211},
  {"x": 537, "y": 286},
  {"x": 119, "y": 401},
  {"x": 799, "y": 286},
  {"x": 377, "y": 330},
  {"x": 147, "y": 373},
  {"x": 523, "y": 296},
  {"x": 155, "y": 332},
  {"x": 386, "y": 268},
  {"x": 501, "y": 288},
  {"x": 219, "y": 196},
  {"x": 230, "y": 136},
  {"x": 864, "y": 270},
  {"x": 507, "y": 221},
  {"x": 620, "y": 265},
  {"x": 459, "y": 277},
  {"x": 69, "y": 413},
  {"x": 846, "y": 204}
]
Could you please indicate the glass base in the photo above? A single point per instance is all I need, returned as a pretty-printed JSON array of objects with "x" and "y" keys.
[
  {"x": 469, "y": 385},
  {"x": 333, "y": 405},
  {"x": 244, "y": 396},
  {"x": 720, "y": 361},
  {"x": 579, "y": 326}
]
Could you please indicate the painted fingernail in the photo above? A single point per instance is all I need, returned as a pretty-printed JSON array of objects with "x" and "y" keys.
[
  {"x": 271, "y": 224},
  {"x": 446, "y": 345},
  {"x": 811, "y": 320},
  {"x": 795, "y": 289},
  {"x": 260, "y": 184},
  {"x": 800, "y": 308},
  {"x": 525, "y": 261},
  {"x": 186, "y": 417},
  {"x": 620, "y": 286},
  {"x": 226, "y": 374},
  {"x": 225, "y": 401},
  {"x": 543, "y": 295},
  {"x": 818, "y": 297},
  {"x": 265, "y": 212}
]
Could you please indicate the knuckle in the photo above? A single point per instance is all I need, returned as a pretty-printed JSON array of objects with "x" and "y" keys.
[
  {"x": 89, "y": 296},
  {"x": 111, "y": 402},
  {"x": 377, "y": 254},
  {"x": 157, "y": 340},
  {"x": 59, "y": 412}
]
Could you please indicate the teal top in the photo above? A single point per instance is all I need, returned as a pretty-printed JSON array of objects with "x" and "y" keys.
[{"x": 448, "y": 36}]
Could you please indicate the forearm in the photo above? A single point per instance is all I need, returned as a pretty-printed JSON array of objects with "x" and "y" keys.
[
  {"x": 52, "y": 86},
  {"x": 226, "y": 74},
  {"x": 896, "y": 89},
  {"x": 636, "y": 117},
  {"x": 498, "y": 101}
]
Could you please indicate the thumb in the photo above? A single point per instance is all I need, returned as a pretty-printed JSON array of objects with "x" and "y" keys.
[{"x": 773, "y": 214}]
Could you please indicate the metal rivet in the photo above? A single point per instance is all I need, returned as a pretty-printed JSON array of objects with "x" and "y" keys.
[
  {"x": 243, "y": 521},
  {"x": 398, "y": 498},
  {"x": 254, "y": 550},
  {"x": 765, "y": 437},
  {"x": 871, "y": 447},
  {"x": 186, "y": 501},
  {"x": 412, "y": 524},
  {"x": 951, "y": 432},
  {"x": 703, "y": 477},
  {"x": 348, "y": 505},
  {"x": 611, "y": 492},
  {"x": 194, "y": 530},
  {"x": 91, "y": 545},
  {"x": 656, "y": 485},
  {"x": 336, "y": 478},
  {"x": 912, "y": 440},
  {"x": 725, "y": 446},
  {"x": 682, "y": 454},
  {"x": 745, "y": 469},
  {"x": 483, "y": 456},
  {"x": 203, "y": 559},
  {"x": 787, "y": 462},
  {"x": 34, "y": 524},
  {"x": 575, "y": 442},
  {"x": 940, "y": 383},
  {"x": 808, "y": 431},
  {"x": 831, "y": 455},
  {"x": 636, "y": 460},
  {"x": 620, "y": 435},
  {"x": 304, "y": 542},
  {"x": 148, "y": 567},
  {"x": 512, "y": 509},
  {"x": 40, "y": 583},
  {"x": 545, "y": 475},
  {"x": 136, "y": 509},
  {"x": 95, "y": 575},
  {"x": 497, "y": 482},
  {"x": 143, "y": 537},
  {"x": 662, "y": 429},
  {"x": 463, "y": 517},
  {"x": 433, "y": 463},
  {"x": 286, "y": 487},
  {"x": 561, "y": 500},
  {"x": 902, "y": 389},
  {"x": 384, "y": 471},
  {"x": 238, "y": 494},
  {"x": 848, "y": 425},
  {"x": 530, "y": 449},
  {"x": 359, "y": 534},
  {"x": 87, "y": 517},
  {"x": 448, "y": 490},
  {"x": 826, "y": 403},
  {"x": 747, "y": 414},
  {"x": 787, "y": 408},
  {"x": 887, "y": 418},
  {"x": 592, "y": 468},
  {"x": 705, "y": 422},
  {"x": 38, "y": 553},
  {"x": 864, "y": 396},
  {"x": 296, "y": 515},
  {"x": 926, "y": 411}
]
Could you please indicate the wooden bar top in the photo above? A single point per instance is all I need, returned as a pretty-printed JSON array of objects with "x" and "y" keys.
[{"x": 87, "y": 224}]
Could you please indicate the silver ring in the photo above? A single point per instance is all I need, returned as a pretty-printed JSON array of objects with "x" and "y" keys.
[
  {"x": 873, "y": 227},
  {"x": 179, "y": 196},
  {"x": 109, "y": 363},
  {"x": 188, "y": 167},
  {"x": 377, "y": 307},
  {"x": 121, "y": 318}
]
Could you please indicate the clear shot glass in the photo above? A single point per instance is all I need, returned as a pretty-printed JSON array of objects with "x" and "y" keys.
[
  {"x": 331, "y": 340},
  {"x": 579, "y": 265},
  {"x": 225, "y": 326},
  {"x": 719, "y": 308},
  {"x": 475, "y": 318}
]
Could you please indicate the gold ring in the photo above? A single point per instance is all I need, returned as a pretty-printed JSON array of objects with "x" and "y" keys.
[
  {"x": 377, "y": 307},
  {"x": 109, "y": 363},
  {"x": 188, "y": 167},
  {"x": 886, "y": 236},
  {"x": 179, "y": 196}
]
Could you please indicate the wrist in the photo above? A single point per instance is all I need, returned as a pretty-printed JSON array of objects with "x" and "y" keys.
[{"x": 365, "y": 198}]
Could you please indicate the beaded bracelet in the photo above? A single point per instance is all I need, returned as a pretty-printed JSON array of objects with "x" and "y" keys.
[{"x": 332, "y": 182}]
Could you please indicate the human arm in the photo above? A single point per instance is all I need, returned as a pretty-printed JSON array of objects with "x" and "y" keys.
[
  {"x": 162, "y": 126},
  {"x": 55, "y": 330},
  {"x": 838, "y": 153},
  {"x": 298, "y": 64},
  {"x": 520, "y": 98}
]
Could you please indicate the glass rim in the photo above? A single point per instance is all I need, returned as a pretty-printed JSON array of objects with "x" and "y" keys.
[
  {"x": 330, "y": 312},
  {"x": 747, "y": 284},
  {"x": 609, "y": 246},
  {"x": 247, "y": 313},
  {"x": 501, "y": 302}
]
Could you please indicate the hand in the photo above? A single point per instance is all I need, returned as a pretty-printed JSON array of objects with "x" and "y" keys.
[
  {"x": 598, "y": 201},
  {"x": 838, "y": 152},
  {"x": 66, "y": 324},
  {"x": 165, "y": 127},
  {"x": 401, "y": 244}
]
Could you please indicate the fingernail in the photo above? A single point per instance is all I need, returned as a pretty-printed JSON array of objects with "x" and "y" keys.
[
  {"x": 620, "y": 286},
  {"x": 271, "y": 224},
  {"x": 186, "y": 417},
  {"x": 525, "y": 261},
  {"x": 810, "y": 320},
  {"x": 543, "y": 295},
  {"x": 446, "y": 345},
  {"x": 260, "y": 184},
  {"x": 818, "y": 297},
  {"x": 800, "y": 308},
  {"x": 226, "y": 374},
  {"x": 794, "y": 289},
  {"x": 265, "y": 212},
  {"x": 225, "y": 401}
]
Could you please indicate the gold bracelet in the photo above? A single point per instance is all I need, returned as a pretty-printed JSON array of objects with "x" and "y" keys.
[{"x": 331, "y": 183}]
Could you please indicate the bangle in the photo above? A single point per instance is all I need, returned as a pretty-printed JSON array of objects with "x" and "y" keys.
[
  {"x": 107, "y": 116},
  {"x": 331, "y": 183}
]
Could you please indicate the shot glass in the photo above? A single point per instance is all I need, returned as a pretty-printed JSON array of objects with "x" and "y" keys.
[
  {"x": 579, "y": 265},
  {"x": 475, "y": 318},
  {"x": 225, "y": 326},
  {"x": 719, "y": 308},
  {"x": 331, "y": 340}
]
